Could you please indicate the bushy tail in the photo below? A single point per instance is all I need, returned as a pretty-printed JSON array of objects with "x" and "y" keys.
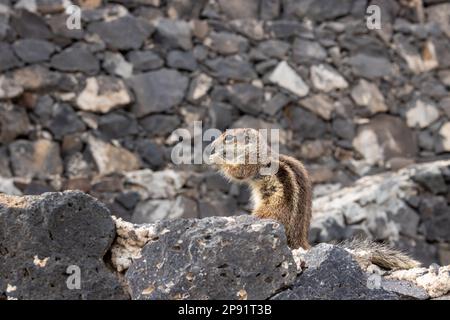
[{"x": 367, "y": 252}]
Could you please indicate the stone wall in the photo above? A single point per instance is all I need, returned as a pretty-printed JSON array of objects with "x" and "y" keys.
[{"x": 94, "y": 109}]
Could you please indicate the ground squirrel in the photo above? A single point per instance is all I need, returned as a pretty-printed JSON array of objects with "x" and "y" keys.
[{"x": 282, "y": 191}]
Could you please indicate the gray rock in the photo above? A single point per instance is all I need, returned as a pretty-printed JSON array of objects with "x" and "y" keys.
[
  {"x": 13, "y": 122},
  {"x": 273, "y": 48},
  {"x": 270, "y": 9},
  {"x": 151, "y": 153},
  {"x": 182, "y": 60},
  {"x": 145, "y": 60},
  {"x": 76, "y": 58},
  {"x": 40, "y": 159},
  {"x": 231, "y": 68},
  {"x": 174, "y": 34},
  {"x": 123, "y": 33},
  {"x": 222, "y": 115},
  {"x": 284, "y": 29},
  {"x": 158, "y": 91},
  {"x": 317, "y": 10},
  {"x": 226, "y": 43},
  {"x": 33, "y": 50},
  {"x": 367, "y": 94},
  {"x": 64, "y": 121},
  {"x": 235, "y": 9},
  {"x": 160, "y": 124},
  {"x": 250, "y": 28},
  {"x": 246, "y": 97},
  {"x": 275, "y": 104},
  {"x": 30, "y": 25},
  {"x": 326, "y": 78},
  {"x": 405, "y": 289},
  {"x": 343, "y": 128},
  {"x": 39, "y": 248},
  {"x": 117, "y": 125},
  {"x": 306, "y": 123},
  {"x": 116, "y": 65},
  {"x": 432, "y": 179},
  {"x": 213, "y": 258},
  {"x": 436, "y": 221},
  {"x": 332, "y": 274},
  {"x": 370, "y": 67},
  {"x": 439, "y": 14},
  {"x": 199, "y": 87},
  {"x": 287, "y": 78},
  {"x": 7, "y": 58},
  {"x": 38, "y": 77},
  {"x": 306, "y": 50},
  {"x": 371, "y": 139},
  {"x": 5, "y": 170}
]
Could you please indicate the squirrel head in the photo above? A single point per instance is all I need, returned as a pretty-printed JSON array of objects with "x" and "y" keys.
[{"x": 241, "y": 153}]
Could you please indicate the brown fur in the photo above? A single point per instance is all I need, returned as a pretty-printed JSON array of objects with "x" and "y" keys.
[{"x": 285, "y": 196}]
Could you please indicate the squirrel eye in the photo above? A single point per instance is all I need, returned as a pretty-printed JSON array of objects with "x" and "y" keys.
[{"x": 228, "y": 138}]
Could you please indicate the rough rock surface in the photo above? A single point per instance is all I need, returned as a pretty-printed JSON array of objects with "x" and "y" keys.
[
  {"x": 349, "y": 101},
  {"x": 212, "y": 259},
  {"x": 44, "y": 235},
  {"x": 405, "y": 208}
]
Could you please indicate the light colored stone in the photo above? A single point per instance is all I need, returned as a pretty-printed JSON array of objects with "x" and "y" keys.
[
  {"x": 444, "y": 133},
  {"x": 8, "y": 88},
  {"x": 112, "y": 159},
  {"x": 128, "y": 243},
  {"x": 326, "y": 78},
  {"x": 200, "y": 86},
  {"x": 287, "y": 78},
  {"x": 155, "y": 184},
  {"x": 102, "y": 94},
  {"x": 367, "y": 94},
  {"x": 417, "y": 62},
  {"x": 7, "y": 186},
  {"x": 319, "y": 104},
  {"x": 422, "y": 114},
  {"x": 440, "y": 13}
]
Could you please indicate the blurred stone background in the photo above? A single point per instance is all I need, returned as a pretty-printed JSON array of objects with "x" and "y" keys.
[{"x": 94, "y": 109}]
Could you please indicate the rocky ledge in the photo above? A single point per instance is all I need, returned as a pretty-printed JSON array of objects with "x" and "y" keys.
[{"x": 68, "y": 246}]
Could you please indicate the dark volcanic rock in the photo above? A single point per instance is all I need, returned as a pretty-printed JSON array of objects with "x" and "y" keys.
[
  {"x": 145, "y": 60},
  {"x": 158, "y": 91},
  {"x": 76, "y": 58},
  {"x": 332, "y": 274},
  {"x": 7, "y": 58},
  {"x": 173, "y": 34},
  {"x": 39, "y": 159},
  {"x": 42, "y": 244},
  {"x": 246, "y": 97},
  {"x": 13, "y": 122},
  {"x": 213, "y": 258},
  {"x": 33, "y": 50},
  {"x": 182, "y": 60},
  {"x": 30, "y": 25},
  {"x": 123, "y": 33},
  {"x": 160, "y": 124},
  {"x": 64, "y": 121},
  {"x": 232, "y": 67}
]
